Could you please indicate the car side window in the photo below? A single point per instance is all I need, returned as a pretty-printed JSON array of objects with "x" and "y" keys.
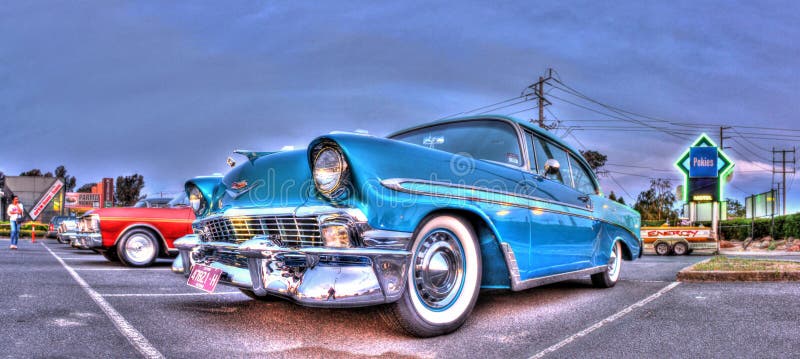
[
  {"x": 581, "y": 177},
  {"x": 545, "y": 151}
]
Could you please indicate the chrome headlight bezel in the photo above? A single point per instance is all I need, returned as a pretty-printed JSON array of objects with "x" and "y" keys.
[
  {"x": 197, "y": 201},
  {"x": 330, "y": 171}
]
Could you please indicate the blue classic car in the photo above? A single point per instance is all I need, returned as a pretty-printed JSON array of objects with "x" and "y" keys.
[{"x": 420, "y": 221}]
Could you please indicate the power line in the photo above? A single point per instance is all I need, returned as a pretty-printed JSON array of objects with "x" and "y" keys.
[
  {"x": 482, "y": 107},
  {"x": 640, "y": 167},
  {"x": 749, "y": 150}
]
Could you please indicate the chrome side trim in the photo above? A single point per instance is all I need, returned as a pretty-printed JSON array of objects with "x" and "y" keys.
[
  {"x": 517, "y": 284},
  {"x": 377, "y": 238},
  {"x": 396, "y": 184}
]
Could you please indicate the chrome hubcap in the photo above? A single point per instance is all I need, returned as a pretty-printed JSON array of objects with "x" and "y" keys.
[
  {"x": 140, "y": 249},
  {"x": 438, "y": 269}
]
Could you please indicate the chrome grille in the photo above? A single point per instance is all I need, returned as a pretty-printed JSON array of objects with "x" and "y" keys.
[{"x": 288, "y": 231}]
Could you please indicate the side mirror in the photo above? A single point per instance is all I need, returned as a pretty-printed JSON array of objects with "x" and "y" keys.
[{"x": 551, "y": 167}]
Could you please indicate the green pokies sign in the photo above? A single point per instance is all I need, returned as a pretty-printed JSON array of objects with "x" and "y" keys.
[{"x": 705, "y": 168}]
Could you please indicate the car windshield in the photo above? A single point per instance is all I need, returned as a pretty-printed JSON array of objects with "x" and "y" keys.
[
  {"x": 179, "y": 201},
  {"x": 482, "y": 139}
]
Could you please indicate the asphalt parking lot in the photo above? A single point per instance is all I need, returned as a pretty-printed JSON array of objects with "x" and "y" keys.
[{"x": 62, "y": 302}]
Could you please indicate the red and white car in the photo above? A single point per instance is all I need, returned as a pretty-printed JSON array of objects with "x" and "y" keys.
[{"x": 136, "y": 236}]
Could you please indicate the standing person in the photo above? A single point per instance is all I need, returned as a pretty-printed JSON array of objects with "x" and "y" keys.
[{"x": 15, "y": 213}]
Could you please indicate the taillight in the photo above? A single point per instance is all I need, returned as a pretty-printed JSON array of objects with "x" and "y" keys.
[{"x": 51, "y": 227}]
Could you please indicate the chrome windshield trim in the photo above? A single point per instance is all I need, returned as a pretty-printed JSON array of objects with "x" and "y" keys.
[{"x": 396, "y": 184}]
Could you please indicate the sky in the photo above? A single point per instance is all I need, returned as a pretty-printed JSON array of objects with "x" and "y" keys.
[{"x": 169, "y": 89}]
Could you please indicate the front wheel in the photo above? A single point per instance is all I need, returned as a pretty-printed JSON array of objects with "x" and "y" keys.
[
  {"x": 138, "y": 248},
  {"x": 444, "y": 279},
  {"x": 609, "y": 277}
]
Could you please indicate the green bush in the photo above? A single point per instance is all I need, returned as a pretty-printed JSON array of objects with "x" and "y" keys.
[
  {"x": 23, "y": 233},
  {"x": 6, "y": 226}
]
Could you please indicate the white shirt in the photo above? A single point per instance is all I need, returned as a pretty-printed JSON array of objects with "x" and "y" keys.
[{"x": 14, "y": 212}]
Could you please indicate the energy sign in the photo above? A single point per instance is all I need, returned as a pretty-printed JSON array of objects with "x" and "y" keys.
[{"x": 705, "y": 168}]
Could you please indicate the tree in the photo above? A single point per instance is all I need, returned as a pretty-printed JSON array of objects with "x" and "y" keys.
[
  {"x": 657, "y": 202},
  {"x": 86, "y": 188},
  {"x": 612, "y": 196},
  {"x": 69, "y": 181},
  {"x": 33, "y": 172},
  {"x": 128, "y": 189},
  {"x": 735, "y": 208},
  {"x": 596, "y": 160},
  {"x": 621, "y": 200}
]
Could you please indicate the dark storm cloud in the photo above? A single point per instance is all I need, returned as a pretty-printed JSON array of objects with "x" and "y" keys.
[{"x": 168, "y": 89}]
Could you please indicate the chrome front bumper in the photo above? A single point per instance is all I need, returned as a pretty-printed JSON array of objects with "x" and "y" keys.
[
  {"x": 67, "y": 236},
  {"x": 311, "y": 276},
  {"x": 87, "y": 240}
]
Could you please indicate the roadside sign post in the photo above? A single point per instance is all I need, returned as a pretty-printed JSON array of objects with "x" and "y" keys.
[{"x": 705, "y": 168}]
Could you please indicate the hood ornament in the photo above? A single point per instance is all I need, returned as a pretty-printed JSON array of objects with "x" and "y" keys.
[
  {"x": 239, "y": 185},
  {"x": 231, "y": 162},
  {"x": 237, "y": 189}
]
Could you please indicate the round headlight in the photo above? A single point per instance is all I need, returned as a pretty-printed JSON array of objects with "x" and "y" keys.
[
  {"x": 329, "y": 165},
  {"x": 197, "y": 201}
]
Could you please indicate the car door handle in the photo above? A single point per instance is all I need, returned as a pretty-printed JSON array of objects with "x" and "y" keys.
[{"x": 584, "y": 199}]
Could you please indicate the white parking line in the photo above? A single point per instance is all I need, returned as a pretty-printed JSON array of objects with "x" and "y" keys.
[
  {"x": 167, "y": 294},
  {"x": 603, "y": 322},
  {"x": 134, "y": 337}
]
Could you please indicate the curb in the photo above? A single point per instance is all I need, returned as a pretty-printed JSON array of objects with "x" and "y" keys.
[
  {"x": 686, "y": 275},
  {"x": 766, "y": 254}
]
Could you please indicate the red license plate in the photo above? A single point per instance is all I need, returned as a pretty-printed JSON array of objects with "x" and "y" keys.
[{"x": 204, "y": 277}]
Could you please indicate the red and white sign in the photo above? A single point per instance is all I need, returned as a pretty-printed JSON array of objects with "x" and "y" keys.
[
  {"x": 671, "y": 233},
  {"x": 71, "y": 199},
  {"x": 204, "y": 277},
  {"x": 46, "y": 199}
]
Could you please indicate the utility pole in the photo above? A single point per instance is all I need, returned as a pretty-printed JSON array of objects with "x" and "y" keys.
[
  {"x": 783, "y": 171},
  {"x": 722, "y": 137},
  {"x": 538, "y": 91}
]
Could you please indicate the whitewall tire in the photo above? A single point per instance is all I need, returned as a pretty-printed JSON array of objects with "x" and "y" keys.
[
  {"x": 444, "y": 278},
  {"x": 610, "y": 276},
  {"x": 138, "y": 248}
]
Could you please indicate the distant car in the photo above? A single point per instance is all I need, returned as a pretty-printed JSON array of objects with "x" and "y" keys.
[
  {"x": 66, "y": 230},
  {"x": 153, "y": 203},
  {"x": 419, "y": 221},
  {"x": 136, "y": 236},
  {"x": 52, "y": 230}
]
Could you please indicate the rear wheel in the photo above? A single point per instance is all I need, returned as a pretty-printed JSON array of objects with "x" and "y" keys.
[
  {"x": 663, "y": 249},
  {"x": 680, "y": 249},
  {"x": 443, "y": 279},
  {"x": 609, "y": 277},
  {"x": 138, "y": 248}
]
